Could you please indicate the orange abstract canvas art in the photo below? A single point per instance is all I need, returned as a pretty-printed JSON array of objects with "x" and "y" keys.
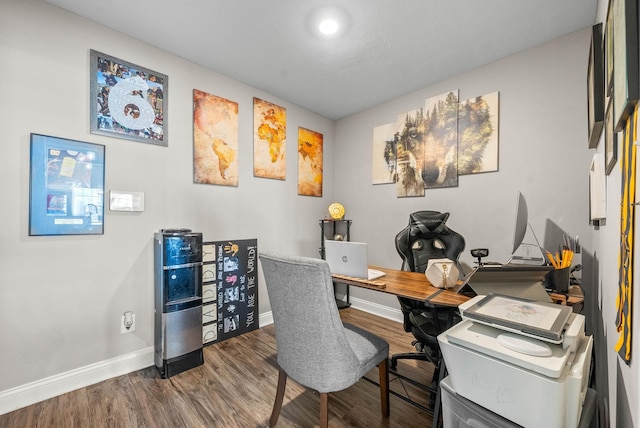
[
  {"x": 309, "y": 162},
  {"x": 215, "y": 140},
  {"x": 269, "y": 140}
]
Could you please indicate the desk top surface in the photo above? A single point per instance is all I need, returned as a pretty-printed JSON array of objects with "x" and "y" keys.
[
  {"x": 412, "y": 285},
  {"x": 416, "y": 286}
]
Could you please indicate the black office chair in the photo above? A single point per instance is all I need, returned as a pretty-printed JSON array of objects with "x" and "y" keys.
[{"x": 427, "y": 237}]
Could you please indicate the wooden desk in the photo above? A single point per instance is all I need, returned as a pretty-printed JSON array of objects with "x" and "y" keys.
[
  {"x": 573, "y": 298},
  {"x": 416, "y": 286},
  {"x": 412, "y": 285}
]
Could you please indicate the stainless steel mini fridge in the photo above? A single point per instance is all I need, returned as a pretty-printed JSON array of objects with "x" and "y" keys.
[{"x": 178, "y": 300}]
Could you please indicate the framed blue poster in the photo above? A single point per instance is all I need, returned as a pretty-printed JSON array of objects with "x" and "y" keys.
[{"x": 66, "y": 191}]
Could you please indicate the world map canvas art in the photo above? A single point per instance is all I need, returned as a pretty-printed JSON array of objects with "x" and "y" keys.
[
  {"x": 269, "y": 140},
  {"x": 310, "y": 152},
  {"x": 215, "y": 140}
]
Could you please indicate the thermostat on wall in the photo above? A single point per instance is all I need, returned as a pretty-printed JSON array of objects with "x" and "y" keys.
[{"x": 126, "y": 201}]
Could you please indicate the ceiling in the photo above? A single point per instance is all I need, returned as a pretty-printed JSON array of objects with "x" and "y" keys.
[{"x": 388, "y": 48}]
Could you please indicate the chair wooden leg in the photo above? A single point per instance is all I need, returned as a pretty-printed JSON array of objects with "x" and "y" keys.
[
  {"x": 277, "y": 404},
  {"x": 324, "y": 410},
  {"x": 383, "y": 368}
]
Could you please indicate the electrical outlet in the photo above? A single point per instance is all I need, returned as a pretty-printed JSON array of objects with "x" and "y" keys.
[{"x": 128, "y": 322}]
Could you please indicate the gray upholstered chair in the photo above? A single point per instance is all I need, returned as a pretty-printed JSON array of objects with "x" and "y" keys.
[{"x": 315, "y": 348}]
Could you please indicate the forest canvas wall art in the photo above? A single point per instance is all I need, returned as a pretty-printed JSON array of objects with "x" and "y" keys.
[
  {"x": 478, "y": 134},
  {"x": 430, "y": 147}
]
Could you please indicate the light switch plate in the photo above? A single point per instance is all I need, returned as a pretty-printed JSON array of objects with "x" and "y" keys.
[{"x": 126, "y": 201}]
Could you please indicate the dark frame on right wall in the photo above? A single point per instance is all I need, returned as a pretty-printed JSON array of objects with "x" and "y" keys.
[
  {"x": 595, "y": 86},
  {"x": 610, "y": 141},
  {"x": 608, "y": 50},
  {"x": 626, "y": 85}
]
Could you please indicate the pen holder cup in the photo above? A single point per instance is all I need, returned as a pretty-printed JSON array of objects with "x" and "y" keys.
[{"x": 558, "y": 280}]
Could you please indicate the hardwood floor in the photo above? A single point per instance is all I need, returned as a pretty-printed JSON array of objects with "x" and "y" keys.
[{"x": 234, "y": 388}]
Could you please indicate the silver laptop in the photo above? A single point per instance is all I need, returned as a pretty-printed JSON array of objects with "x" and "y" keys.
[
  {"x": 349, "y": 258},
  {"x": 522, "y": 281}
]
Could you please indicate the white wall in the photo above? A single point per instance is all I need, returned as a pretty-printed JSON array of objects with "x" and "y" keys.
[{"x": 61, "y": 298}]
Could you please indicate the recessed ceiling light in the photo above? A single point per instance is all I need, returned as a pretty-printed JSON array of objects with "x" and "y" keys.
[
  {"x": 328, "y": 23},
  {"x": 328, "y": 26}
]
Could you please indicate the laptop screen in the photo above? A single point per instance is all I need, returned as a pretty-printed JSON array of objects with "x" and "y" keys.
[{"x": 347, "y": 258}]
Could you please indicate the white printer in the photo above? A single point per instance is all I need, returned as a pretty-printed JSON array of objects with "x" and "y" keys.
[{"x": 535, "y": 377}]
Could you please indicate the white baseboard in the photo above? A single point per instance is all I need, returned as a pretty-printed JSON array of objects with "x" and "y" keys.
[
  {"x": 43, "y": 389},
  {"x": 393, "y": 314},
  {"x": 387, "y": 312},
  {"x": 265, "y": 319}
]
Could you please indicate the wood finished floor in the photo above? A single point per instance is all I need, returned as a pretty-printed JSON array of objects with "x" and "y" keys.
[{"x": 234, "y": 388}]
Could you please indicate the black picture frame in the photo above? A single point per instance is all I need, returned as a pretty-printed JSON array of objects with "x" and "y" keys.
[
  {"x": 608, "y": 51},
  {"x": 626, "y": 84},
  {"x": 128, "y": 101},
  {"x": 66, "y": 187},
  {"x": 595, "y": 87},
  {"x": 610, "y": 141}
]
